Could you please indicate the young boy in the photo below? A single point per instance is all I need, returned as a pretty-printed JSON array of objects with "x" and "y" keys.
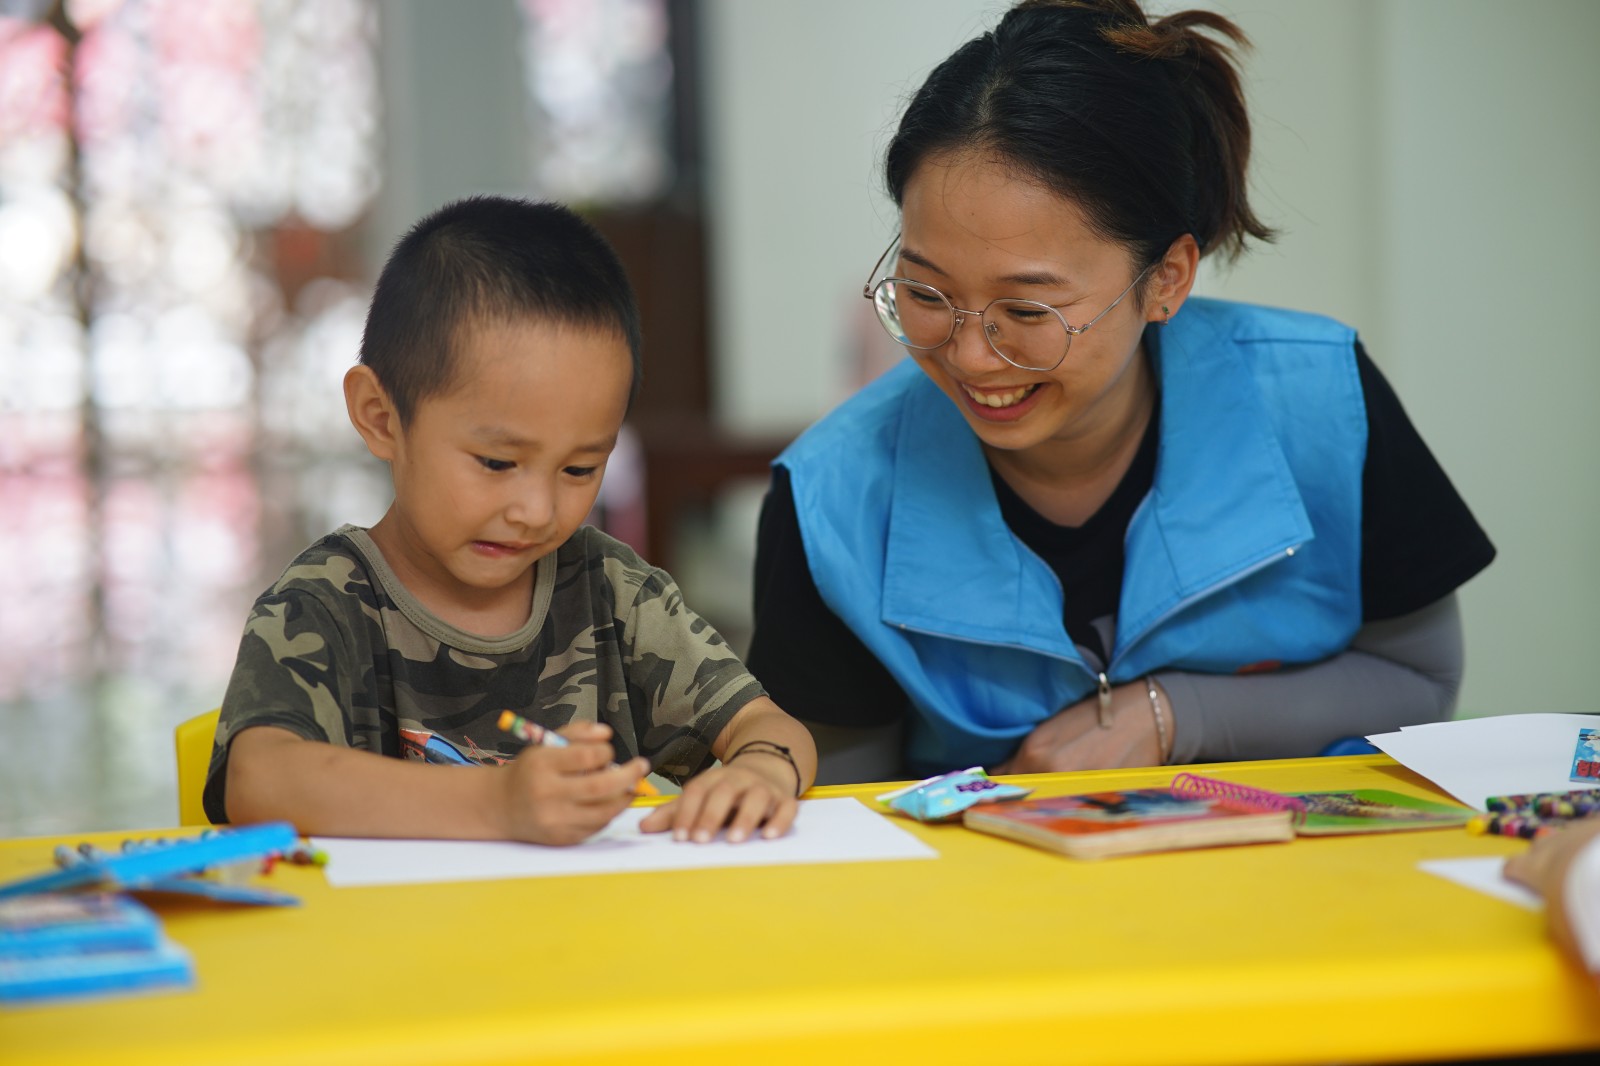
[{"x": 500, "y": 355}]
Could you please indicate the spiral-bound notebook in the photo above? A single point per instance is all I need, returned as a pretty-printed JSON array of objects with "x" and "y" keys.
[
  {"x": 1200, "y": 812},
  {"x": 1194, "y": 812}
]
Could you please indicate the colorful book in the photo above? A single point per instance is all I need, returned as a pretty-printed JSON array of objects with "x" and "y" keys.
[
  {"x": 1374, "y": 810},
  {"x": 1368, "y": 810},
  {"x": 1132, "y": 821}
]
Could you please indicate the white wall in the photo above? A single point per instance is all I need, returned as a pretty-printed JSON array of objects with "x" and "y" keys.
[
  {"x": 1491, "y": 231},
  {"x": 1432, "y": 163},
  {"x": 801, "y": 100}
]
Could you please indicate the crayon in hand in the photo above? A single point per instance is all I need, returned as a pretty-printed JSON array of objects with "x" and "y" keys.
[
  {"x": 530, "y": 732},
  {"x": 534, "y": 733}
]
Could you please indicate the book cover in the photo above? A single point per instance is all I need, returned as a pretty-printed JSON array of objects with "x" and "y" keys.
[
  {"x": 1374, "y": 810},
  {"x": 75, "y": 973},
  {"x": 46, "y": 924},
  {"x": 1102, "y": 824}
]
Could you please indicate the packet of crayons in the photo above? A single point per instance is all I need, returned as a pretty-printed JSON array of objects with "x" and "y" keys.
[
  {"x": 1535, "y": 813},
  {"x": 945, "y": 796}
]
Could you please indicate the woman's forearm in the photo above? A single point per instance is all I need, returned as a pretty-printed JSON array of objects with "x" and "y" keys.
[{"x": 1401, "y": 671}]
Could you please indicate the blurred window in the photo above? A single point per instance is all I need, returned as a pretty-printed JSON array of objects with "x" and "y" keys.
[
  {"x": 179, "y": 294},
  {"x": 600, "y": 82}
]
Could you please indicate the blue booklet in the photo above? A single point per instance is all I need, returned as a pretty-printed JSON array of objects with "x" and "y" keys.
[
  {"x": 74, "y": 973},
  {"x": 70, "y": 945},
  {"x": 49, "y": 923}
]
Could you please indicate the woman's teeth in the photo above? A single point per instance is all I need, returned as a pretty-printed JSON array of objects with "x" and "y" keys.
[{"x": 1000, "y": 399}]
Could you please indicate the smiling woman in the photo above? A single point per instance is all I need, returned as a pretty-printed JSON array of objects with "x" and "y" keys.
[{"x": 1094, "y": 520}]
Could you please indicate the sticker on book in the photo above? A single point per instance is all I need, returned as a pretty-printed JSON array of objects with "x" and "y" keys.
[{"x": 1586, "y": 758}]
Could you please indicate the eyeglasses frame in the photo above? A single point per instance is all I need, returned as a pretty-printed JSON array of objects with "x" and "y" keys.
[{"x": 958, "y": 317}]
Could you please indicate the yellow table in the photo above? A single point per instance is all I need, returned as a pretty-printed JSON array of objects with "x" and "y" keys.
[{"x": 1329, "y": 949}]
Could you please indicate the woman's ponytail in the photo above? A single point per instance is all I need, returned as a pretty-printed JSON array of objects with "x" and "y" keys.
[{"x": 1207, "y": 74}]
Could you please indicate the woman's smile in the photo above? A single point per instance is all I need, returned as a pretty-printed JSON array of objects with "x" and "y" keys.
[{"x": 1000, "y": 405}]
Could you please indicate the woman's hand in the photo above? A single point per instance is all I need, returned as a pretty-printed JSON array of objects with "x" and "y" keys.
[
  {"x": 742, "y": 796},
  {"x": 1074, "y": 740}
]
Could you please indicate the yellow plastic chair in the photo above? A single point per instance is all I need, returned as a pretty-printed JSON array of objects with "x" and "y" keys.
[{"x": 194, "y": 739}]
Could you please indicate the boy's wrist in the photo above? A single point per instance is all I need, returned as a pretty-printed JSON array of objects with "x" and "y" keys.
[
  {"x": 779, "y": 767},
  {"x": 499, "y": 806}
]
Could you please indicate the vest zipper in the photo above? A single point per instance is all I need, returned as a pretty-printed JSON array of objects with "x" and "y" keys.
[{"x": 1232, "y": 579}]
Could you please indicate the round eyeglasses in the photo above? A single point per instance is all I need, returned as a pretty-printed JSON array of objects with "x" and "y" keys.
[{"x": 1025, "y": 333}]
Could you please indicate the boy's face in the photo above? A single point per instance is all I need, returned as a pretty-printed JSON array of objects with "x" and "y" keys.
[{"x": 499, "y": 471}]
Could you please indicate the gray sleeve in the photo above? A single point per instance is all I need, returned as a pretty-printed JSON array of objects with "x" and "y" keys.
[{"x": 1400, "y": 671}]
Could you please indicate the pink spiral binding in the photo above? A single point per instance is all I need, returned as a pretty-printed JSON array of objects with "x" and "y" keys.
[{"x": 1243, "y": 796}]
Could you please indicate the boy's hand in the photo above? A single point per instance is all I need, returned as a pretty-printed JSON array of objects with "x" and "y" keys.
[
  {"x": 740, "y": 796},
  {"x": 565, "y": 795}
]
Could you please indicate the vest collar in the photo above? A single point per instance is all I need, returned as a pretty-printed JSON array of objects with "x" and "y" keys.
[{"x": 1223, "y": 504}]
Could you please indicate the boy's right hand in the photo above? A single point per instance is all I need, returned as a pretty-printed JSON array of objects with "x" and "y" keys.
[{"x": 554, "y": 795}]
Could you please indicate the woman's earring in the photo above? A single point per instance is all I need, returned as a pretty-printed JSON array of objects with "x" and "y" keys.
[{"x": 1168, "y": 312}]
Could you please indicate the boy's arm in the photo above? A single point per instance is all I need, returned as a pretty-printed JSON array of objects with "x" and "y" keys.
[
  {"x": 757, "y": 786},
  {"x": 763, "y": 720},
  {"x": 547, "y": 795}
]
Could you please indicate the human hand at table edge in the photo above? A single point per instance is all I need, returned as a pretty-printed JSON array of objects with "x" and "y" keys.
[
  {"x": 1544, "y": 867},
  {"x": 546, "y": 795},
  {"x": 1074, "y": 740},
  {"x": 768, "y": 759}
]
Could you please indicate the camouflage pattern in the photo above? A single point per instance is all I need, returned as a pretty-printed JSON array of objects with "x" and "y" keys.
[{"x": 339, "y": 651}]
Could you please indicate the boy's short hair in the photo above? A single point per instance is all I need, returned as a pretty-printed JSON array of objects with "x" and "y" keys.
[{"x": 488, "y": 260}]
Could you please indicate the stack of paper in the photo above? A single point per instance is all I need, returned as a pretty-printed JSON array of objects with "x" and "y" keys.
[{"x": 1475, "y": 758}]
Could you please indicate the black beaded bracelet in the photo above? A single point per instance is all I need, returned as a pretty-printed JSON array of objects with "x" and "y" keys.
[{"x": 768, "y": 747}]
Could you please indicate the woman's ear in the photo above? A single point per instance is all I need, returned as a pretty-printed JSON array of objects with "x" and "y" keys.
[
  {"x": 1171, "y": 279},
  {"x": 371, "y": 411}
]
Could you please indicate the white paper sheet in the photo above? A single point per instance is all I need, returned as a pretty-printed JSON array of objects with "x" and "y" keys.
[
  {"x": 825, "y": 830},
  {"x": 1476, "y": 758},
  {"x": 1483, "y": 875}
]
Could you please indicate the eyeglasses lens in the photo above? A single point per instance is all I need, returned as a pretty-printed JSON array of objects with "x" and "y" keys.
[
  {"x": 1025, "y": 334},
  {"x": 915, "y": 315}
]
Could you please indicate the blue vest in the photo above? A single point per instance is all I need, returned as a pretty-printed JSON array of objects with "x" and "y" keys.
[{"x": 1246, "y": 552}]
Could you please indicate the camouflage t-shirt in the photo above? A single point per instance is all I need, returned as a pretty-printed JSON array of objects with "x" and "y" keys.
[{"x": 339, "y": 651}]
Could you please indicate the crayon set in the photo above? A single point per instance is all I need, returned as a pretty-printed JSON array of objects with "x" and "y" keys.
[
  {"x": 1525, "y": 826},
  {"x": 1577, "y": 804},
  {"x": 1535, "y": 813},
  {"x": 301, "y": 853}
]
